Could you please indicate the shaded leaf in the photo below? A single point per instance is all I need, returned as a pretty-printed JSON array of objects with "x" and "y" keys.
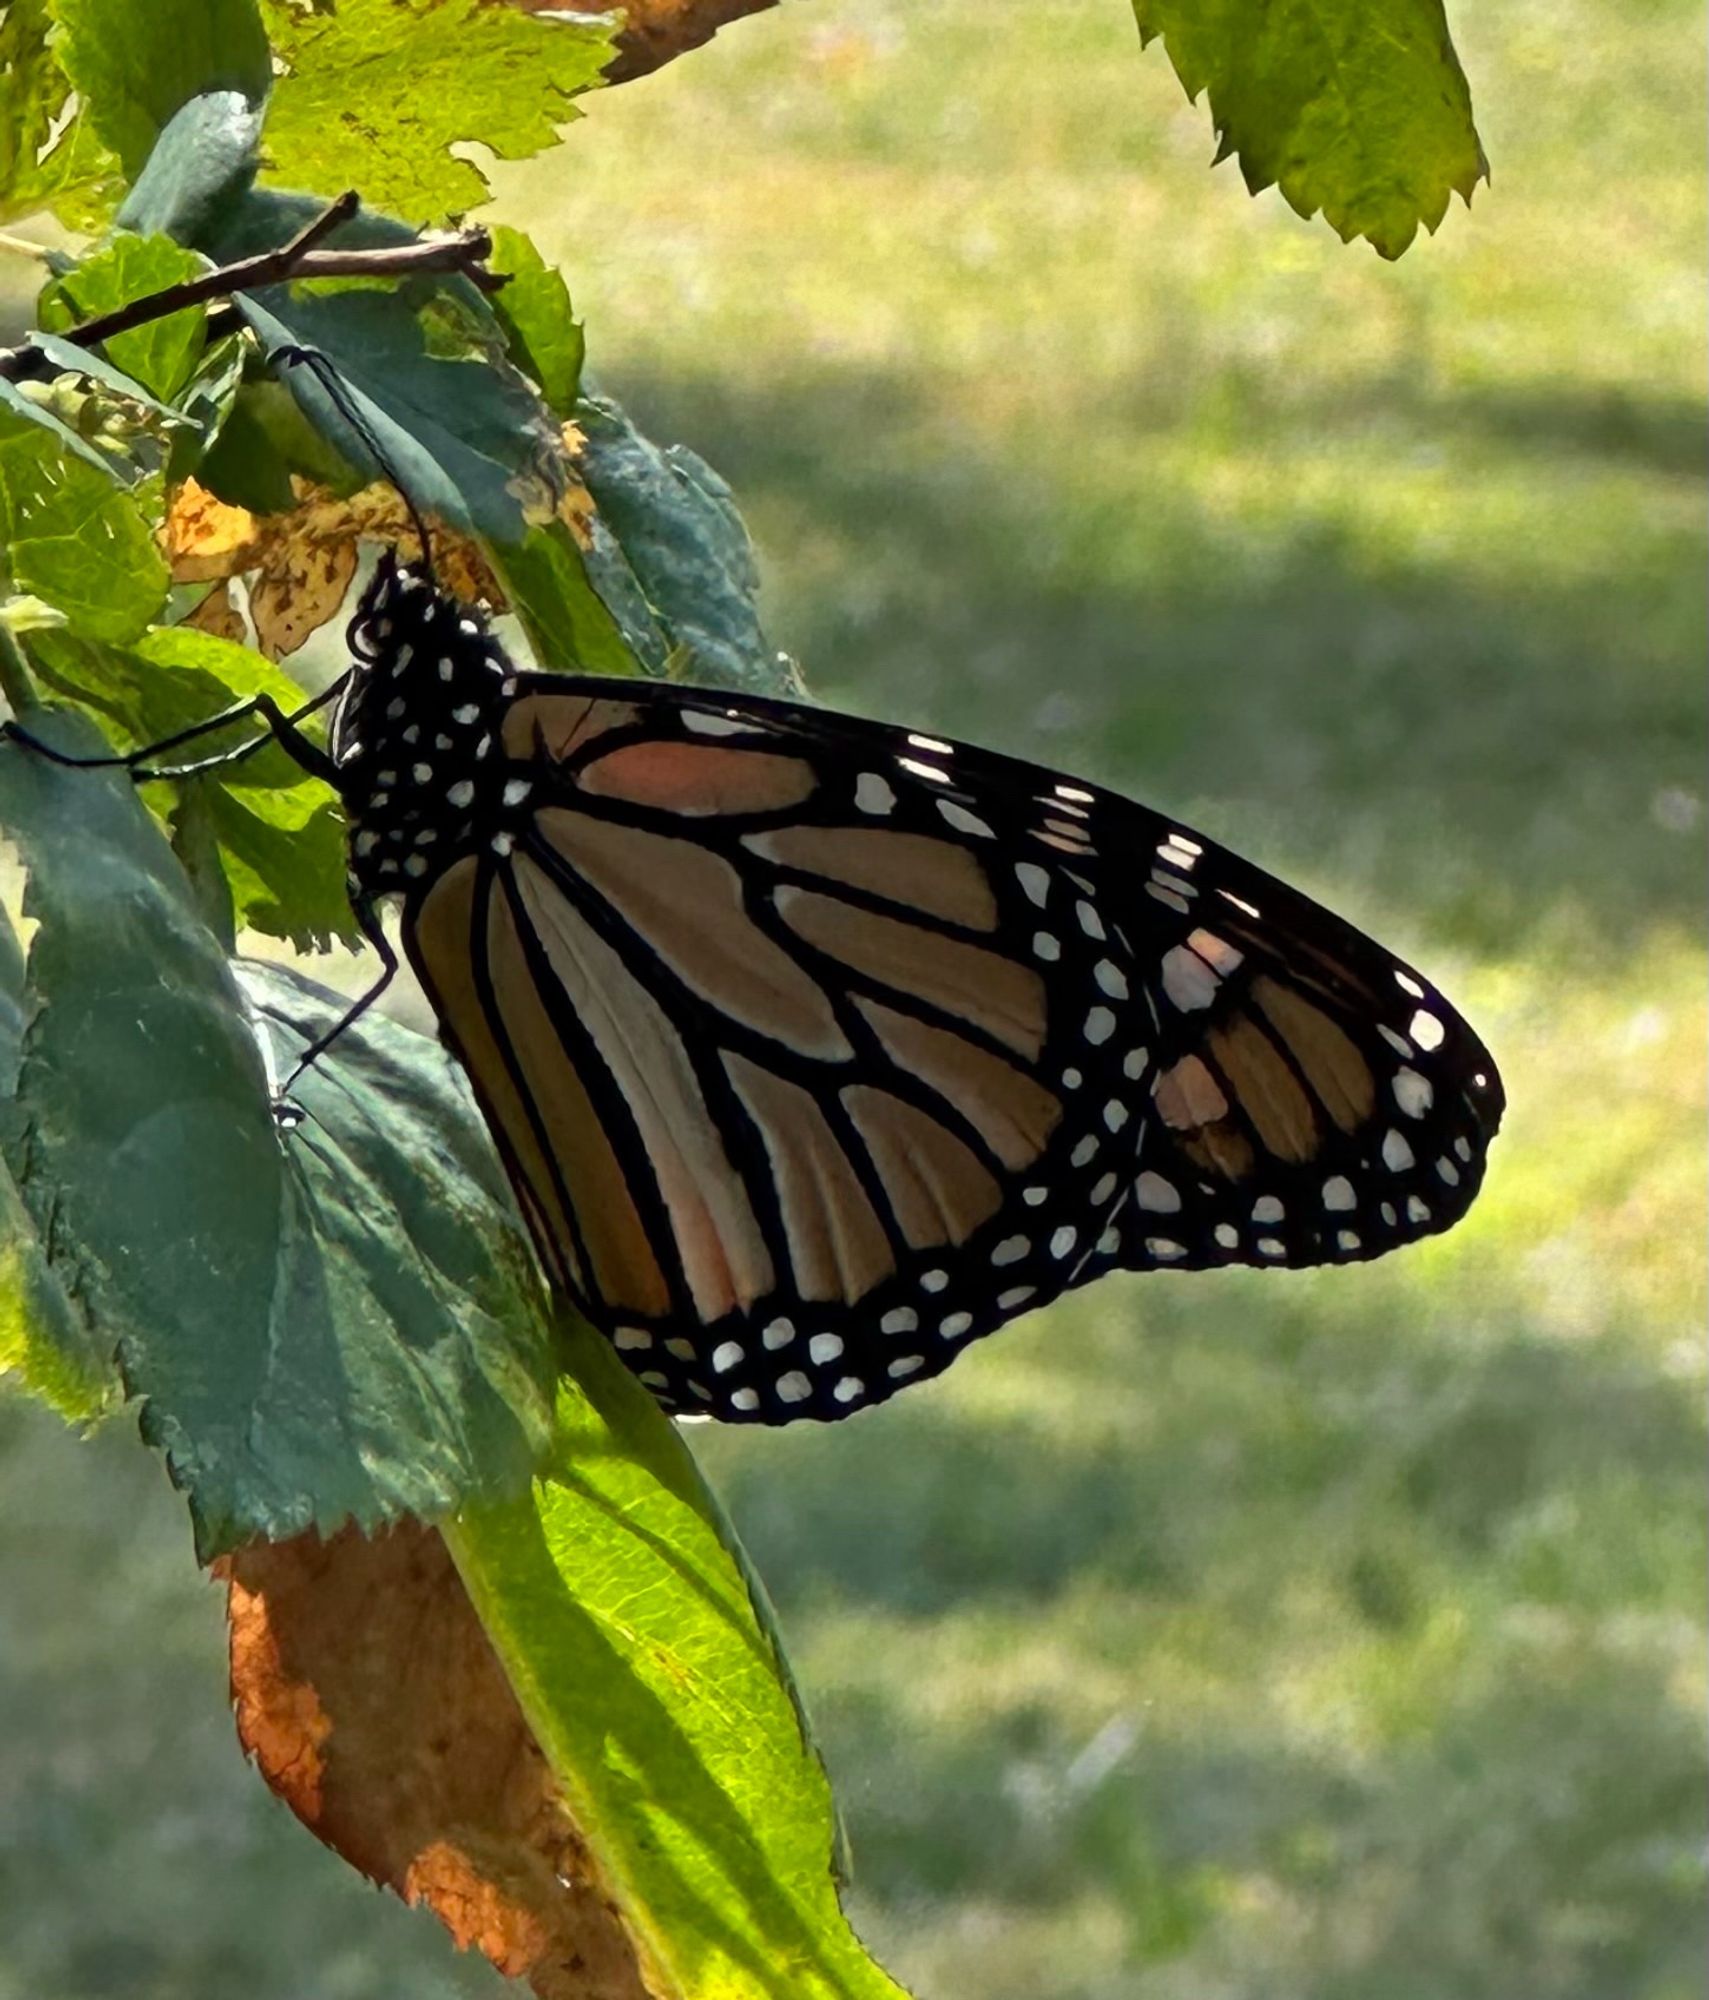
[
  {"x": 467, "y": 440},
  {"x": 376, "y": 92},
  {"x": 49, "y": 155},
  {"x": 202, "y": 163},
  {"x": 1355, "y": 107},
  {"x": 162, "y": 356},
  {"x": 278, "y": 833},
  {"x": 684, "y": 543},
  {"x": 656, "y": 32},
  {"x": 46, "y": 1347},
  {"x": 135, "y": 67},
  {"x": 340, "y": 1322},
  {"x": 546, "y": 339},
  {"x": 70, "y": 535},
  {"x": 626, "y": 1626},
  {"x": 569, "y": 624},
  {"x": 372, "y": 1702}
]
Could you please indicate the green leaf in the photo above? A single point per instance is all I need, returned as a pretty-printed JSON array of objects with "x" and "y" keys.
[
  {"x": 45, "y": 1345},
  {"x": 376, "y": 92},
  {"x": 278, "y": 832},
  {"x": 339, "y": 1322},
  {"x": 264, "y": 438},
  {"x": 626, "y": 1627},
  {"x": 1355, "y": 107},
  {"x": 684, "y": 542},
  {"x": 202, "y": 163},
  {"x": 459, "y": 434},
  {"x": 70, "y": 535},
  {"x": 163, "y": 355},
  {"x": 569, "y": 626},
  {"x": 546, "y": 339},
  {"x": 136, "y": 66},
  {"x": 49, "y": 155}
]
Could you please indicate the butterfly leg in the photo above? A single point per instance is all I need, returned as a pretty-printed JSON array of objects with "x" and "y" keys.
[
  {"x": 368, "y": 918},
  {"x": 281, "y": 729}
]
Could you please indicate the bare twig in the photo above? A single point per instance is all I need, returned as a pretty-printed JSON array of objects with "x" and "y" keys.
[{"x": 464, "y": 253}]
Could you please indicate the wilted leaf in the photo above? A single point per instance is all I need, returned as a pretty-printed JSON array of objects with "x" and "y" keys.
[
  {"x": 627, "y": 1627},
  {"x": 373, "y": 1704},
  {"x": 656, "y": 32},
  {"x": 134, "y": 67},
  {"x": 300, "y": 587},
  {"x": 376, "y": 92},
  {"x": 1355, "y": 107},
  {"x": 205, "y": 537},
  {"x": 340, "y": 1322},
  {"x": 218, "y": 616},
  {"x": 69, "y": 534}
]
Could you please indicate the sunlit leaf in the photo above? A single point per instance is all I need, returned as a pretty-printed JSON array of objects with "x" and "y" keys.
[
  {"x": 376, "y": 92},
  {"x": 134, "y": 67},
  {"x": 1355, "y": 107},
  {"x": 69, "y": 534},
  {"x": 627, "y": 1628},
  {"x": 49, "y": 155},
  {"x": 163, "y": 354},
  {"x": 546, "y": 339}
]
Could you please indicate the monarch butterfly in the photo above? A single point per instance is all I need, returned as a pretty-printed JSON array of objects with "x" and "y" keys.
[{"x": 816, "y": 1049}]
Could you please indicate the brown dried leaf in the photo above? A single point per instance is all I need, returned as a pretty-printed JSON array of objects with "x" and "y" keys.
[
  {"x": 301, "y": 585},
  {"x": 204, "y": 538},
  {"x": 369, "y": 1697},
  {"x": 217, "y": 614},
  {"x": 656, "y": 32}
]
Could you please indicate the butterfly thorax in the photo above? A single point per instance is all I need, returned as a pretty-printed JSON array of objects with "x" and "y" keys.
[{"x": 418, "y": 734}]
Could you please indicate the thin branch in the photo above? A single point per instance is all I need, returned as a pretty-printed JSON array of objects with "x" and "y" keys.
[{"x": 464, "y": 253}]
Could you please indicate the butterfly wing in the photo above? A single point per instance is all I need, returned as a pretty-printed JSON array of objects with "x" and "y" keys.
[{"x": 816, "y": 1050}]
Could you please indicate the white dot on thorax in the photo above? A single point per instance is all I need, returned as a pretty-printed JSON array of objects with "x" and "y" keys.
[
  {"x": 1154, "y": 1193},
  {"x": 461, "y": 793},
  {"x": 744, "y": 1399},
  {"x": 933, "y": 1281},
  {"x": 1046, "y": 947},
  {"x": 1397, "y": 1154},
  {"x": 955, "y": 1325},
  {"x": 905, "y": 1365},
  {"x": 1085, "y": 1152},
  {"x": 1111, "y": 979},
  {"x": 849, "y": 1389},
  {"x": 1090, "y": 922},
  {"x": 1100, "y": 1026},
  {"x": 725, "y": 1356},
  {"x": 1102, "y": 1188},
  {"x": 1015, "y": 1297},
  {"x": 1063, "y": 1242},
  {"x": 900, "y": 1319},
  {"x": 1011, "y": 1250},
  {"x": 824, "y": 1347}
]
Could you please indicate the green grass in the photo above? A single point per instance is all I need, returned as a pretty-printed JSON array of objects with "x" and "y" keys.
[{"x": 1209, "y": 1638}]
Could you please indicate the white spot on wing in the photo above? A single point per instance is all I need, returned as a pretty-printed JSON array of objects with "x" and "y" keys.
[
  {"x": 1397, "y": 1154},
  {"x": 1033, "y": 880},
  {"x": 1338, "y": 1193},
  {"x": 1187, "y": 980},
  {"x": 1426, "y": 1030},
  {"x": 794, "y": 1387},
  {"x": 962, "y": 820},
  {"x": 873, "y": 794}
]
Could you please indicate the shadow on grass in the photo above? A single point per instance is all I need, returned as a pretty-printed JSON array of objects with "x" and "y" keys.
[{"x": 1496, "y": 760}]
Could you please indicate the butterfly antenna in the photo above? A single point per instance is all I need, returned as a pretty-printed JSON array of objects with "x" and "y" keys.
[{"x": 342, "y": 401}]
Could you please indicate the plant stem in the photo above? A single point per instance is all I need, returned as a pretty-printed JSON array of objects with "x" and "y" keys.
[
  {"x": 464, "y": 253},
  {"x": 15, "y": 682}
]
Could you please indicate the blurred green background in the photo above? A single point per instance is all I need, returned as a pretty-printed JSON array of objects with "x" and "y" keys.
[{"x": 1237, "y": 1636}]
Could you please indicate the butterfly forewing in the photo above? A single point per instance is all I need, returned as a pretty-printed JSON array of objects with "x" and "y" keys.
[{"x": 817, "y": 1050}]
